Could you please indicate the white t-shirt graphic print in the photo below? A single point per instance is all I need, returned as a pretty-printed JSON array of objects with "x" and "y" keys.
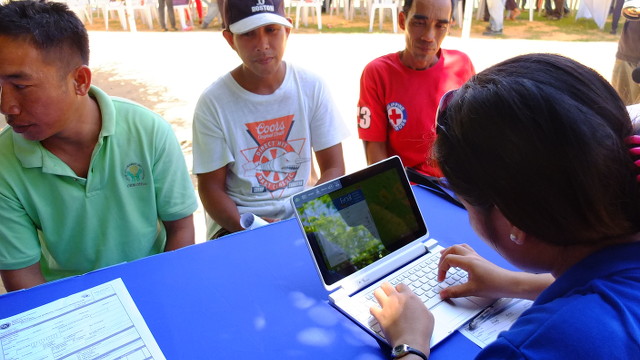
[{"x": 266, "y": 140}]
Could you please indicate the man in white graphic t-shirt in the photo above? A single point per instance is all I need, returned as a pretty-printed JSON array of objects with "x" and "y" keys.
[{"x": 255, "y": 129}]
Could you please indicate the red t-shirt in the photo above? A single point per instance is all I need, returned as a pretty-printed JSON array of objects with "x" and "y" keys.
[{"x": 398, "y": 105}]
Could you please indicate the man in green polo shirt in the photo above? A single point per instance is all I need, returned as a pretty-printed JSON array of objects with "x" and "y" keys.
[{"x": 86, "y": 180}]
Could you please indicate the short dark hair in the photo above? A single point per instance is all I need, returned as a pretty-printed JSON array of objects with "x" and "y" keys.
[
  {"x": 541, "y": 137},
  {"x": 50, "y": 27},
  {"x": 406, "y": 7}
]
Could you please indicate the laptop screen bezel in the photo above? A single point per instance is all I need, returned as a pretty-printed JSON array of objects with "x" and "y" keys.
[{"x": 393, "y": 163}]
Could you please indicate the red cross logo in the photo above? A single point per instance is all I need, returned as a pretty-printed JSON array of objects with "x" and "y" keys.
[
  {"x": 394, "y": 116},
  {"x": 397, "y": 115}
]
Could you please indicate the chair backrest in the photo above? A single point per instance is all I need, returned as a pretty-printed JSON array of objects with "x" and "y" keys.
[
  {"x": 384, "y": 3},
  {"x": 136, "y": 3},
  {"x": 101, "y": 3},
  {"x": 76, "y": 3}
]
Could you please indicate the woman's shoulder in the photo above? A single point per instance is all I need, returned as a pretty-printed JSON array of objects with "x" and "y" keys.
[{"x": 580, "y": 325}]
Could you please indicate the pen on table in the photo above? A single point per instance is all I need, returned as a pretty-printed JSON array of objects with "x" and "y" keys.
[
  {"x": 493, "y": 310},
  {"x": 482, "y": 316}
]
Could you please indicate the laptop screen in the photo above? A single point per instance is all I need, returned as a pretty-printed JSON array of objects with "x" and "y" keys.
[{"x": 359, "y": 218}]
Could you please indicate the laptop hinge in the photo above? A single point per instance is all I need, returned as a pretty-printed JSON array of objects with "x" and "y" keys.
[
  {"x": 342, "y": 293},
  {"x": 375, "y": 273},
  {"x": 430, "y": 244},
  {"x": 338, "y": 296}
]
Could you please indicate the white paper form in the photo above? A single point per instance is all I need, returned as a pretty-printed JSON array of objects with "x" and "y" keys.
[
  {"x": 99, "y": 323},
  {"x": 501, "y": 320}
]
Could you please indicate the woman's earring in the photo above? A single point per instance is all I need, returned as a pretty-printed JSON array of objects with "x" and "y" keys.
[{"x": 513, "y": 238}]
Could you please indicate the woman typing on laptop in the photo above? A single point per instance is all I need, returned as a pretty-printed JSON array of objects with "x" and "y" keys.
[{"x": 535, "y": 148}]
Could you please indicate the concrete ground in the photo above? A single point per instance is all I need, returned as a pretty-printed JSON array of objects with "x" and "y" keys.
[{"x": 167, "y": 71}]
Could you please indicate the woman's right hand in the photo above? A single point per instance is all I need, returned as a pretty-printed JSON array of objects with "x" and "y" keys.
[
  {"x": 487, "y": 279},
  {"x": 403, "y": 317}
]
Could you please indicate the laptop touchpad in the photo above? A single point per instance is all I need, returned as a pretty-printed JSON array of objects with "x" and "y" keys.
[{"x": 454, "y": 313}]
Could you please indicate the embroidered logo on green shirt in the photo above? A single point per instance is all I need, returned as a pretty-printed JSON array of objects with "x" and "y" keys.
[{"x": 134, "y": 174}]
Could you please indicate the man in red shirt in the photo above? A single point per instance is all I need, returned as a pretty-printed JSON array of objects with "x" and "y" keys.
[{"x": 400, "y": 92}]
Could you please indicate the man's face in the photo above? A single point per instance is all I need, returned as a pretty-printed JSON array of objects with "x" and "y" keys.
[
  {"x": 261, "y": 49},
  {"x": 425, "y": 27},
  {"x": 36, "y": 97}
]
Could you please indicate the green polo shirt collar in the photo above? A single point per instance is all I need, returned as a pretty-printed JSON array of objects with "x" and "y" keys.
[{"x": 33, "y": 155}]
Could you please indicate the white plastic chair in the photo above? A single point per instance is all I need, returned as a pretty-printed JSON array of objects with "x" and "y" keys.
[
  {"x": 146, "y": 7},
  {"x": 184, "y": 10},
  {"x": 334, "y": 5},
  {"x": 82, "y": 8},
  {"x": 380, "y": 5},
  {"x": 313, "y": 4},
  {"x": 458, "y": 13},
  {"x": 108, "y": 6},
  {"x": 287, "y": 6},
  {"x": 348, "y": 6}
]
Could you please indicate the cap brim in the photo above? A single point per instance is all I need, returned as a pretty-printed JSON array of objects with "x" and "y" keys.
[{"x": 256, "y": 21}]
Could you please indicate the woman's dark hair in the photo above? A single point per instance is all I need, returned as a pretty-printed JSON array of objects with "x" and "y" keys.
[
  {"x": 50, "y": 27},
  {"x": 541, "y": 137}
]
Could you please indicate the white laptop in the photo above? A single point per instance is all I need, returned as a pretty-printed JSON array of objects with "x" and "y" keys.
[{"x": 365, "y": 228}]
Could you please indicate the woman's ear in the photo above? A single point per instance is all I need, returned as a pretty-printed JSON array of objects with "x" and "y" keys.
[{"x": 517, "y": 236}]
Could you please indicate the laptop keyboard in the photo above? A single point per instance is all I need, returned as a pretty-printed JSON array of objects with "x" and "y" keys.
[{"x": 421, "y": 277}]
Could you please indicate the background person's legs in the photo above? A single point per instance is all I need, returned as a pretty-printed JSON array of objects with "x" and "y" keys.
[
  {"x": 212, "y": 12},
  {"x": 161, "y": 14},
  {"x": 161, "y": 17},
  {"x": 622, "y": 81},
  {"x": 172, "y": 14},
  {"x": 616, "y": 11},
  {"x": 496, "y": 16},
  {"x": 558, "y": 12},
  {"x": 513, "y": 9}
]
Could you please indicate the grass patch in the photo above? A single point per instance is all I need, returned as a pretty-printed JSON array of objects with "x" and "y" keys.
[{"x": 541, "y": 28}]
